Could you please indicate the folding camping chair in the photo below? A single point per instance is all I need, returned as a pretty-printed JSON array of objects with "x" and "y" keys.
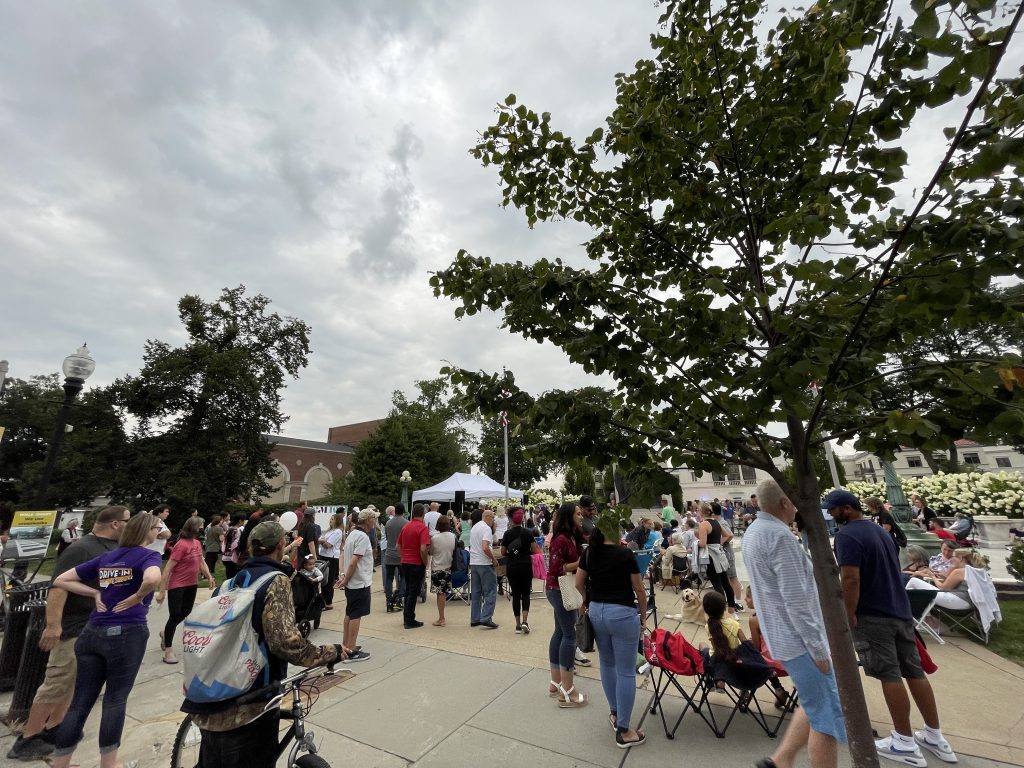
[
  {"x": 460, "y": 577},
  {"x": 741, "y": 681},
  {"x": 921, "y": 603},
  {"x": 674, "y": 657},
  {"x": 984, "y": 612}
]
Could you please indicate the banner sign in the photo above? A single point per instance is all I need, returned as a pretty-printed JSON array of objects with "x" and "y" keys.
[
  {"x": 322, "y": 515},
  {"x": 30, "y": 535}
]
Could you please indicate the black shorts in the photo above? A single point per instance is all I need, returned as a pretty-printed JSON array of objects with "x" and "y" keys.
[
  {"x": 887, "y": 648},
  {"x": 357, "y": 602}
]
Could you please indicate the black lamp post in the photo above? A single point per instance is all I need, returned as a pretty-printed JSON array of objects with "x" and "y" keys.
[{"x": 77, "y": 367}]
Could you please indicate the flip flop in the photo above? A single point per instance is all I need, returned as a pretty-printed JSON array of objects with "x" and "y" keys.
[{"x": 439, "y": 624}]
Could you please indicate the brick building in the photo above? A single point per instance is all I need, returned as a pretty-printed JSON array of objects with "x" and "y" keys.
[
  {"x": 353, "y": 434},
  {"x": 306, "y": 468}
]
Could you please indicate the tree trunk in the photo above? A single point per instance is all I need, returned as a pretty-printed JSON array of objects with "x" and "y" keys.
[{"x": 807, "y": 497}]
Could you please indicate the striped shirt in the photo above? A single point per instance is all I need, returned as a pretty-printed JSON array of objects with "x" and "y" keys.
[{"x": 785, "y": 595}]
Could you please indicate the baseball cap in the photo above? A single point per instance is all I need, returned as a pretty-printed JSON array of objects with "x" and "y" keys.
[
  {"x": 267, "y": 534},
  {"x": 840, "y": 498}
]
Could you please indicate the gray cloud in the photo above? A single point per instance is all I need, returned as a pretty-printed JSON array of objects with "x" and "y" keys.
[{"x": 316, "y": 152}]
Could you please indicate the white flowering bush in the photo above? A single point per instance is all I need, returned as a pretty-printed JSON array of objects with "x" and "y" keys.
[
  {"x": 976, "y": 493},
  {"x": 537, "y": 496}
]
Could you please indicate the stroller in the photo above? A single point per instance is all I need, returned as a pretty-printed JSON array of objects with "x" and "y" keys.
[{"x": 308, "y": 599}]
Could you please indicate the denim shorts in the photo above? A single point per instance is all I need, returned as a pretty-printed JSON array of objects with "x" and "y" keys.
[{"x": 819, "y": 696}]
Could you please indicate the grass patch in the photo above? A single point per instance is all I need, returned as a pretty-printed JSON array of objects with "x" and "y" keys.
[{"x": 1007, "y": 639}]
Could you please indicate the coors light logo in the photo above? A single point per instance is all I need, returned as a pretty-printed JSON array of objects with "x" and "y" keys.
[{"x": 193, "y": 642}]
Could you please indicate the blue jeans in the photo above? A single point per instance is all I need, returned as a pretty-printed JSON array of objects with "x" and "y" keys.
[
  {"x": 617, "y": 633},
  {"x": 484, "y": 588},
  {"x": 254, "y": 745},
  {"x": 108, "y": 655},
  {"x": 393, "y": 573},
  {"x": 562, "y": 646}
]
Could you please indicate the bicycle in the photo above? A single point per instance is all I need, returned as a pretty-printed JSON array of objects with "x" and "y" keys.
[{"x": 185, "y": 752}]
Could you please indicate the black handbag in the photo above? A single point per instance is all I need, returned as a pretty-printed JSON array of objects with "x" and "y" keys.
[{"x": 585, "y": 633}]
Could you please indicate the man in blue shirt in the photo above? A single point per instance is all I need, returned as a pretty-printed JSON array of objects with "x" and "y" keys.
[{"x": 883, "y": 630}]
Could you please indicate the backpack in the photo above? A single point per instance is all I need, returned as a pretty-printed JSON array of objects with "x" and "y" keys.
[
  {"x": 458, "y": 560},
  {"x": 229, "y": 543},
  {"x": 223, "y": 653},
  {"x": 671, "y": 651},
  {"x": 899, "y": 535}
]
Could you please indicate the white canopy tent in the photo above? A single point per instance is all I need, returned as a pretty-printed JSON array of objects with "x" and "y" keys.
[{"x": 476, "y": 487}]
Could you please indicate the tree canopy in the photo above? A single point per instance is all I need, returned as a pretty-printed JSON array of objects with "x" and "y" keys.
[
  {"x": 202, "y": 408},
  {"x": 755, "y": 232},
  {"x": 423, "y": 436},
  {"x": 91, "y": 454},
  {"x": 528, "y": 461}
]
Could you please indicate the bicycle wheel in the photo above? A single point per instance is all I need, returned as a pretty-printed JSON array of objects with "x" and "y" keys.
[
  {"x": 185, "y": 753},
  {"x": 311, "y": 761}
]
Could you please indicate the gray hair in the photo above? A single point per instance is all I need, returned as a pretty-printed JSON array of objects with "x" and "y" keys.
[
  {"x": 677, "y": 537},
  {"x": 770, "y": 494},
  {"x": 916, "y": 554}
]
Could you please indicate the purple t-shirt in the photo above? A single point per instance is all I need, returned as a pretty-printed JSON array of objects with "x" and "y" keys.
[{"x": 119, "y": 574}]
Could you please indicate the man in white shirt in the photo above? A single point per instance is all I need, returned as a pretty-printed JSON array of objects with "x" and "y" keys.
[
  {"x": 357, "y": 578},
  {"x": 159, "y": 544},
  {"x": 430, "y": 519},
  {"x": 786, "y": 600},
  {"x": 483, "y": 581}
]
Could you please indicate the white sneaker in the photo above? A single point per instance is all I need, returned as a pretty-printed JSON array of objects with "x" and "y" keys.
[
  {"x": 891, "y": 750},
  {"x": 582, "y": 660},
  {"x": 941, "y": 750}
]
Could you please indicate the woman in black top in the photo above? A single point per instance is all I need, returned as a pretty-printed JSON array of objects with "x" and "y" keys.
[
  {"x": 711, "y": 536},
  {"x": 609, "y": 578},
  {"x": 518, "y": 545}
]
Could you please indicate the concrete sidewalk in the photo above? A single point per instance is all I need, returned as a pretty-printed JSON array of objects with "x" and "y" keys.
[{"x": 457, "y": 695}]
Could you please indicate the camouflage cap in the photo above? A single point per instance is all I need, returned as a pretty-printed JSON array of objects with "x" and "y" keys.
[{"x": 267, "y": 534}]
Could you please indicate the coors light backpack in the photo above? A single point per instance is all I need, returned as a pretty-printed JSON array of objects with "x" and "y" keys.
[{"x": 223, "y": 654}]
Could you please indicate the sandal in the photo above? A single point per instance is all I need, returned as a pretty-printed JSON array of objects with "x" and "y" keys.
[
  {"x": 782, "y": 699},
  {"x": 438, "y": 623},
  {"x": 557, "y": 693},
  {"x": 570, "y": 700},
  {"x": 621, "y": 743},
  {"x": 614, "y": 720}
]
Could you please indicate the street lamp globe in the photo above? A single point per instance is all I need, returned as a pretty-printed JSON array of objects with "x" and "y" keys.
[
  {"x": 406, "y": 477},
  {"x": 79, "y": 364}
]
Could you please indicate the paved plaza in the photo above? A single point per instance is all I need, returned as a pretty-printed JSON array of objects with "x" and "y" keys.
[{"x": 457, "y": 696}]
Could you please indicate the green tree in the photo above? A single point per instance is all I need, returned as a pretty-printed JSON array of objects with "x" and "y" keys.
[
  {"x": 402, "y": 442},
  {"x": 202, "y": 408},
  {"x": 748, "y": 241},
  {"x": 438, "y": 401},
  {"x": 527, "y": 460},
  {"x": 579, "y": 479},
  {"x": 90, "y": 454}
]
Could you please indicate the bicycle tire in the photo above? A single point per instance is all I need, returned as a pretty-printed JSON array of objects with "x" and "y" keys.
[
  {"x": 185, "y": 752},
  {"x": 311, "y": 761}
]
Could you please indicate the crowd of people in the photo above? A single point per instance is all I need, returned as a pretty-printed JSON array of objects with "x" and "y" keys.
[{"x": 105, "y": 582}]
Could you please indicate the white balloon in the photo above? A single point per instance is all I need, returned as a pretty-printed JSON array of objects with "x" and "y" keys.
[{"x": 289, "y": 520}]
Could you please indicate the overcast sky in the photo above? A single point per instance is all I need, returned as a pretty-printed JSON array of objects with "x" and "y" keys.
[{"x": 316, "y": 152}]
